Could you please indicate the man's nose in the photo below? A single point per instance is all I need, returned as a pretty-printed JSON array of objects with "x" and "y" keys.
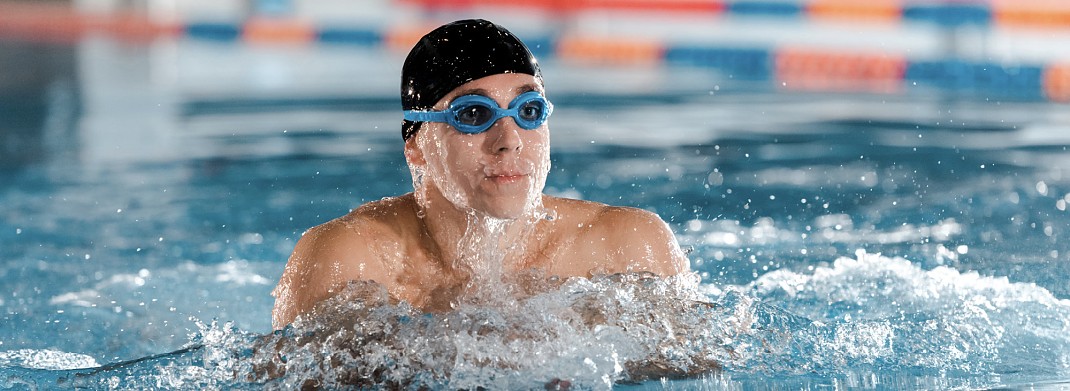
[{"x": 504, "y": 137}]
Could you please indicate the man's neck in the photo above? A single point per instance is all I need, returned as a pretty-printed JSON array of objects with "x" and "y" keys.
[{"x": 470, "y": 240}]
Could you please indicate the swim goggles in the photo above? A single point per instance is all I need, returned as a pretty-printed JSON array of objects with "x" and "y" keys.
[{"x": 473, "y": 114}]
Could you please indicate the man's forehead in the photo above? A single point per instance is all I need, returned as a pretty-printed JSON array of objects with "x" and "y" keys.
[
  {"x": 509, "y": 86},
  {"x": 482, "y": 91}
]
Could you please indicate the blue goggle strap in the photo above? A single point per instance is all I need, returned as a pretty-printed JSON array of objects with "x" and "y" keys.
[{"x": 427, "y": 116}]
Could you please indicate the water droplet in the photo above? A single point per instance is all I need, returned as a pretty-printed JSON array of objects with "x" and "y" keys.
[
  {"x": 715, "y": 178},
  {"x": 1042, "y": 188}
]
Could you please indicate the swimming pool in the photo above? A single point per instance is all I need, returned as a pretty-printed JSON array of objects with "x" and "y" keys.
[{"x": 874, "y": 241}]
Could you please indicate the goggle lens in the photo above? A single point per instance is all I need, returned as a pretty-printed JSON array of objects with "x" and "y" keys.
[
  {"x": 474, "y": 115},
  {"x": 531, "y": 111}
]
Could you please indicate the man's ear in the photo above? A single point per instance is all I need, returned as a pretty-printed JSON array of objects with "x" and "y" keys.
[{"x": 413, "y": 153}]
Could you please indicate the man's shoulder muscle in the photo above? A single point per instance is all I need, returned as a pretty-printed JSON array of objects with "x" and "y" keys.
[
  {"x": 631, "y": 239},
  {"x": 352, "y": 245},
  {"x": 639, "y": 241},
  {"x": 603, "y": 219},
  {"x": 329, "y": 256}
]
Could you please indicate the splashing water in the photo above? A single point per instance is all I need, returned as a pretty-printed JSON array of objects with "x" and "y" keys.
[
  {"x": 940, "y": 319},
  {"x": 867, "y": 318}
]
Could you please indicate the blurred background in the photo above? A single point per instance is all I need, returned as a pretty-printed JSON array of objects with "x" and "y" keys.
[{"x": 79, "y": 76}]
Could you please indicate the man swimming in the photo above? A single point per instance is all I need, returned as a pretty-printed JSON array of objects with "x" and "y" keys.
[{"x": 477, "y": 144}]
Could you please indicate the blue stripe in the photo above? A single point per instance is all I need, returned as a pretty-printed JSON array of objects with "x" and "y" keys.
[
  {"x": 738, "y": 63},
  {"x": 213, "y": 31},
  {"x": 765, "y": 8},
  {"x": 360, "y": 37},
  {"x": 985, "y": 79},
  {"x": 953, "y": 15}
]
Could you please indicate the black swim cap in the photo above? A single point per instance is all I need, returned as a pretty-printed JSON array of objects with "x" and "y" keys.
[{"x": 455, "y": 54}]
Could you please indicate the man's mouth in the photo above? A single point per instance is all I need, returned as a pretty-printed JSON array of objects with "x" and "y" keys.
[{"x": 506, "y": 178}]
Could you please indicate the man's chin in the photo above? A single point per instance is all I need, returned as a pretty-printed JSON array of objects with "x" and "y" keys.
[
  {"x": 505, "y": 214},
  {"x": 508, "y": 210}
]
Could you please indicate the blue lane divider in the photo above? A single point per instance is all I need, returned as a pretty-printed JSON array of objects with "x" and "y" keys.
[
  {"x": 738, "y": 63},
  {"x": 766, "y": 8},
  {"x": 353, "y": 36},
  {"x": 988, "y": 79},
  {"x": 955, "y": 76},
  {"x": 949, "y": 15},
  {"x": 213, "y": 31}
]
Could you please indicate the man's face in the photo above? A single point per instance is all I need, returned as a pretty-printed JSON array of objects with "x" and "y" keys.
[{"x": 500, "y": 172}]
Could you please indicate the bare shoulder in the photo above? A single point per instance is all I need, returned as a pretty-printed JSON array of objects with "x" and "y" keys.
[
  {"x": 332, "y": 254},
  {"x": 635, "y": 240},
  {"x": 388, "y": 216},
  {"x": 352, "y": 240},
  {"x": 607, "y": 219},
  {"x": 628, "y": 219},
  {"x": 641, "y": 241}
]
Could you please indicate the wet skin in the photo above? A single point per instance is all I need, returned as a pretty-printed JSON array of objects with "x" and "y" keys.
[{"x": 410, "y": 244}]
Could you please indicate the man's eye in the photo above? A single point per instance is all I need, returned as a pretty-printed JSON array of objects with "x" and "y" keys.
[
  {"x": 530, "y": 111},
  {"x": 474, "y": 115}
]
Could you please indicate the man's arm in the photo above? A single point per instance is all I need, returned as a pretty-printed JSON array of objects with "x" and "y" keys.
[
  {"x": 325, "y": 259},
  {"x": 642, "y": 242}
]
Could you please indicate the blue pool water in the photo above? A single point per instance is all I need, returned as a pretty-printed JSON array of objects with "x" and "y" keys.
[{"x": 840, "y": 241}]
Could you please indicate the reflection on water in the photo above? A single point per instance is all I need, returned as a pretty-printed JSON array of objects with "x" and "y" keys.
[
  {"x": 40, "y": 101},
  {"x": 124, "y": 226}
]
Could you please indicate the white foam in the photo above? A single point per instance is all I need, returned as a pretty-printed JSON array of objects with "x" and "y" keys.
[
  {"x": 45, "y": 359},
  {"x": 873, "y": 275},
  {"x": 827, "y": 229},
  {"x": 890, "y": 310}
]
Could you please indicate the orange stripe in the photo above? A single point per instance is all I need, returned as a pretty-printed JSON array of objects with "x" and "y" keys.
[
  {"x": 804, "y": 69},
  {"x": 1032, "y": 13},
  {"x": 278, "y": 31},
  {"x": 1046, "y": 18},
  {"x": 608, "y": 51},
  {"x": 403, "y": 38},
  {"x": 41, "y": 22},
  {"x": 139, "y": 28},
  {"x": 59, "y": 23},
  {"x": 867, "y": 10},
  {"x": 1057, "y": 82}
]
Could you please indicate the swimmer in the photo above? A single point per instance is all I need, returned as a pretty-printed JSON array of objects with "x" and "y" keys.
[{"x": 477, "y": 143}]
